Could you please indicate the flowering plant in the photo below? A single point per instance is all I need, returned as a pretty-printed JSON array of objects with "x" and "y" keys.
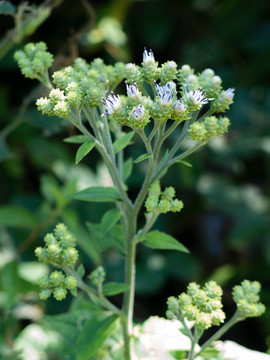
[{"x": 159, "y": 100}]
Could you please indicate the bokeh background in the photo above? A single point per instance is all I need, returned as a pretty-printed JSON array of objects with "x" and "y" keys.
[{"x": 226, "y": 219}]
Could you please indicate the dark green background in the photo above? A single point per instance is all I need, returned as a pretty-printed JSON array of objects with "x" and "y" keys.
[{"x": 226, "y": 219}]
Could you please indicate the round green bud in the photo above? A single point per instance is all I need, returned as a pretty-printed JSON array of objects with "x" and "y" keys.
[
  {"x": 42, "y": 255},
  {"x": 54, "y": 252},
  {"x": 213, "y": 290},
  {"x": 50, "y": 240},
  {"x": 184, "y": 73},
  {"x": 203, "y": 321},
  {"x": 211, "y": 305},
  {"x": 93, "y": 96},
  {"x": 211, "y": 125},
  {"x": 69, "y": 256},
  {"x": 164, "y": 206},
  {"x": 98, "y": 275},
  {"x": 62, "y": 109},
  {"x": 193, "y": 289},
  {"x": 70, "y": 282},
  {"x": 197, "y": 132},
  {"x": 45, "y": 294},
  {"x": 192, "y": 82},
  {"x": 184, "y": 300},
  {"x": 217, "y": 317},
  {"x": 67, "y": 241},
  {"x": 173, "y": 304},
  {"x": 168, "y": 72},
  {"x": 133, "y": 74},
  {"x": 176, "y": 205},
  {"x": 57, "y": 279},
  {"x": 60, "y": 293},
  {"x": 45, "y": 106},
  {"x": 44, "y": 282},
  {"x": 60, "y": 231},
  {"x": 191, "y": 312},
  {"x": 199, "y": 299},
  {"x": 168, "y": 193}
]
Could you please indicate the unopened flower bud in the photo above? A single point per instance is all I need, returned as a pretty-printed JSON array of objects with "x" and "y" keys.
[
  {"x": 70, "y": 282},
  {"x": 60, "y": 293},
  {"x": 69, "y": 256},
  {"x": 97, "y": 276}
]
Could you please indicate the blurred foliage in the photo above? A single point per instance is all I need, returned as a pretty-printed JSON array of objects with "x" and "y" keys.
[{"x": 225, "y": 222}]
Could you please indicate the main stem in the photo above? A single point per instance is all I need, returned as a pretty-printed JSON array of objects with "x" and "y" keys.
[{"x": 128, "y": 305}]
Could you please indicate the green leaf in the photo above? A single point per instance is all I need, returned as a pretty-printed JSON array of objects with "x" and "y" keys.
[
  {"x": 83, "y": 150},
  {"x": 81, "y": 271},
  {"x": 184, "y": 332},
  {"x": 158, "y": 240},
  {"x": 14, "y": 216},
  {"x": 109, "y": 220},
  {"x": 114, "y": 288},
  {"x": 185, "y": 163},
  {"x": 178, "y": 354},
  {"x": 127, "y": 168},
  {"x": 122, "y": 142},
  {"x": 142, "y": 158},
  {"x": 93, "y": 335},
  {"x": 96, "y": 194},
  {"x": 76, "y": 139}
]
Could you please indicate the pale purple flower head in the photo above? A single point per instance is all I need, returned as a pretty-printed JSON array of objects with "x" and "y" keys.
[
  {"x": 132, "y": 90},
  {"x": 166, "y": 92},
  {"x": 138, "y": 112},
  {"x": 148, "y": 57},
  {"x": 229, "y": 93},
  {"x": 112, "y": 104},
  {"x": 196, "y": 98},
  {"x": 179, "y": 107}
]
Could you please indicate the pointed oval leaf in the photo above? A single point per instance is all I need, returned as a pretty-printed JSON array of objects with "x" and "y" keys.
[
  {"x": 83, "y": 150},
  {"x": 122, "y": 142},
  {"x": 158, "y": 240},
  {"x": 14, "y": 216},
  {"x": 142, "y": 158},
  {"x": 127, "y": 168},
  {"x": 76, "y": 139},
  {"x": 109, "y": 220},
  {"x": 93, "y": 335},
  {"x": 96, "y": 194},
  {"x": 114, "y": 288},
  {"x": 185, "y": 163}
]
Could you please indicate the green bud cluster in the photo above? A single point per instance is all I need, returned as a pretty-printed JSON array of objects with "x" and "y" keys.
[
  {"x": 34, "y": 60},
  {"x": 201, "y": 305},
  {"x": 57, "y": 284},
  {"x": 211, "y": 126},
  {"x": 162, "y": 202},
  {"x": 246, "y": 297},
  {"x": 59, "y": 248},
  {"x": 98, "y": 275}
]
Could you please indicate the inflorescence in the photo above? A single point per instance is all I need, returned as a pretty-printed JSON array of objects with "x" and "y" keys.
[
  {"x": 203, "y": 306},
  {"x": 60, "y": 252},
  {"x": 172, "y": 93}
]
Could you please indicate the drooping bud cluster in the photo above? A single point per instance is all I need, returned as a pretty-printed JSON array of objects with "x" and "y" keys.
[
  {"x": 59, "y": 248},
  {"x": 162, "y": 202},
  {"x": 247, "y": 299},
  {"x": 211, "y": 126},
  {"x": 57, "y": 284},
  {"x": 98, "y": 275},
  {"x": 34, "y": 60},
  {"x": 201, "y": 305},
  {"x": 59, "y": 251}
]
